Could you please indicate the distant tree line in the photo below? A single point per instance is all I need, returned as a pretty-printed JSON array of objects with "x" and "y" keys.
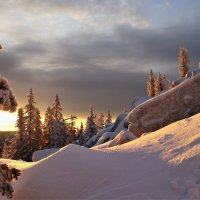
[{"x": 55, "y": 132}]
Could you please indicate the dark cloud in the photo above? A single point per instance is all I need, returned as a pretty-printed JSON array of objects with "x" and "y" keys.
[
  {"x": 8, "y": 61},
  {"x": 104, "y": 69}
]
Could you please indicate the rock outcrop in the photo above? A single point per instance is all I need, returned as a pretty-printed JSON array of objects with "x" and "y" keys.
[{"x": 176, "y": 104}]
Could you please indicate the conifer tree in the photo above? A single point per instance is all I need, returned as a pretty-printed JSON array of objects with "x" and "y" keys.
[
  {"x": 151, "y": 85},
  {"x": 183, "y": 62},
  {"x": 71, "y": 136},
  {"x": 109, "y": 118},
  {"x": 20, "y": 124},
  {"x": 16, "y": 147},
  {"x": 170, "y": 84},
  {"x": 101, "y": 121},
  {"x": 48, "y": 128},
  {"x": 81, "y": 134},
  {"x": 59, "y": 133},
  {"x": 30, "y": 109},
  {"x": 159, "y": 86},
  {"x": 32, "y": 125},
  {"x": 37, "y": 141},
  {"x": 90, "y": 129}
]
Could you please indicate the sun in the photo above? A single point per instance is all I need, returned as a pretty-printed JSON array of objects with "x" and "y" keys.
[{"x": 7, "y": 121}]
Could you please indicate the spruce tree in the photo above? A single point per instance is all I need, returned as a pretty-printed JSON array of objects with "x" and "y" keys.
[
  {"x": 151, "y": 85},
  {"x": 90, "y": 129},
  {"x": 37, "y": 142},
  {"x": 30, "y": 109},
  {"x": 81, "y": 134},
  {"x": 109, "y": 118},
  {"x": 183, "y": 62},
  {"x": 20, "y": 124},
  {"x": 159, "y": 87},
  {"x": 71, "y": 136},
  {"x": 48, "y": 128},
  {"x": 32, "y": 125},
  {"x": 101, "y": 121},
  {"x": 59, "y": 133},
  {"x": 16, "y": 147}
]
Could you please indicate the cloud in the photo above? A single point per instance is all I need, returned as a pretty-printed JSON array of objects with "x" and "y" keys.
[{"x": 103, "y": 68}]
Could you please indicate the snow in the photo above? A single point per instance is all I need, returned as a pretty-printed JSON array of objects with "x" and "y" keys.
[
  {"x": 178, "y": 103},
  {"x": 161, "y": 165},
  {"x": 108, "y": 133},
  {"x": 111, "y": 132},
  {"x": 38, "y": 155},
  {"x": 96, "y": 137},
  {"x": 123, "y": 137},
  {"x": 139, "y": 100}
]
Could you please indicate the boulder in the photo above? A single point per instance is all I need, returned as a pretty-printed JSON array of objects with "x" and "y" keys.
[{"x": 178, "y": 103}]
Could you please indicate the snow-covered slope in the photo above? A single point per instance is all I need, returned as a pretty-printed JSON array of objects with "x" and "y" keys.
[{"x": 161, "y": 165}]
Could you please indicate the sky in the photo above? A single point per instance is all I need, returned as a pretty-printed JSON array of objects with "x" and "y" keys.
[{"x": 93, "y": 52}]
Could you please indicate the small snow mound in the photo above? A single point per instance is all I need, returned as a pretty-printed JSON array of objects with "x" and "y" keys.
[
  {"x": 38, "y": 155},
  {"x": 121, "y": 138}
]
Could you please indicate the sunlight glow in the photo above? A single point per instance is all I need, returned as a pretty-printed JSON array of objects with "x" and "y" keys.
[{"x": 7, "y": 121}]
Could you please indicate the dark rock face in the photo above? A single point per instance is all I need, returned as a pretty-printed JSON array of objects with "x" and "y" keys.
[{"x": 171, "y": 106}]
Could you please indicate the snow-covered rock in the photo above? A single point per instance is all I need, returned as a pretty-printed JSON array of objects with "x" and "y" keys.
[
  {"x": 160, "y": 165},
  {"x": 168, "y": 107},
  {"x": 139, "y": 100},
  {"x": 96, "y": 137},
  {"x": 110, "y": 132},
  {"x": 40, "y": 154},
  {"x": 123, "y": 137}
]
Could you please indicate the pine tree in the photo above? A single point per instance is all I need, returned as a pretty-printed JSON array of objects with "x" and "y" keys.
[
  {"x": 183, "y": 62},
  {"x": 16, "y": 147},
  {"x": 20, "y": 124},
  {"x": 71, "y": 136},
  {"x": 90, "y": 129},
  {"x": 59, "y": 133},
  {"x": 151, "y": 85},
  {"x": 81, "y": 134},
  {"x": 37, "y": 142},
  {"x": 33, "y": 125},
  {"x": 159, "y": 84},
  {"x": 48, "y": 128},
  {"x": 101, "y": 122},
  {"x": 30, "y": 109},
  {"x": 109, "y": 118}
]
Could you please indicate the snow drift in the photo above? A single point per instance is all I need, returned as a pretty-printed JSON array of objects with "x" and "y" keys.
[
  {"x": 160, "y": 165},
  {"x": 168, "y": 107},
  {"x": 40, "y": 154}
]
